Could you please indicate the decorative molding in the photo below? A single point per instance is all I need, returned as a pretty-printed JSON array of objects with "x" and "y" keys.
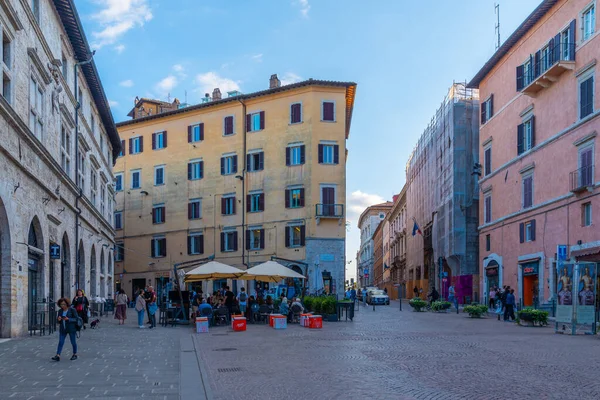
[
  {"x": 487, "y": 141},
  {"x": 39, "y": 65},
  {"x": 487, "y": 189},
  {"x": 585, "y": 139},
  {"x": 527, "y": 168},
  {"x": 67, "y": 117},
  {"x": 526, "y": 111},
  {"x": 585, "y": 68},
  {"x": 84, "y": 143},
  {"x": 54, "y": 220},
  {"x": 11, "y": 15},
  {"x": 94, "y": 161}
]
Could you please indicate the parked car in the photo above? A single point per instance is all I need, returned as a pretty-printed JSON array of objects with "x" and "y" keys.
[
  {"x": 359, "y": 295},
  {"x": 377, "y": 297}
]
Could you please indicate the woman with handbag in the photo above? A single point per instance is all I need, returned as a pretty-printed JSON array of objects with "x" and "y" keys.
[
  {"x": 140, "y": 307},
  {"x": 152, "y": 307},
  {"x": 82, "y": 305},
  {"x": 67, "y": 318},
  {"x": 121, "y": 300}
]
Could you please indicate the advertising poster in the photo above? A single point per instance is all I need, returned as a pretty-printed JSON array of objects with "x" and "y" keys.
[
  {"x": 586, "y": 297},
  {"x": 564, "y": 289}
]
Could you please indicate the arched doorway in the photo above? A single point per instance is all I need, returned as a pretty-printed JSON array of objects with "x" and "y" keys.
[
  {"x": 81, "y": 275},
  {"x": 102, "y": 275},
  {"x": 5, "y": 273},
  {"x": 35, "y": 268},
  {"x": 65, "y": 268},
  {"x": 492, "y": 275},
  {"x": 93, "y": 273}
]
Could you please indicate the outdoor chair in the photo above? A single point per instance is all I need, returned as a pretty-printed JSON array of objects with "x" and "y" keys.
[
  {"x": 208, "y": 313},
  {"x": 221, "y": 316},
  {"x": 296, "y": 311},
  {"x": 264, "y": 311},
  {"x": 254, "y": 312}
]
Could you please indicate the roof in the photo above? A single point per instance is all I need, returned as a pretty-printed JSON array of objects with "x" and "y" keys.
[
  {"x": 153, "y": 101},
  {"x": 72, "y": 24},
  {"x": 375, "y": 207},
  {"x": 512, "y": 40},
  {"x": 350, "y": 93}
]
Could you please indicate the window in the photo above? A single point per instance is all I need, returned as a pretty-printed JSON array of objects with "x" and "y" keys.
[
  {"x": 229, "y": 241},
  {"x": 118, "y": 219},
  {"x": 93, "y": 185},
  {"x": 545, "y": 55},
  {"x": 6, "y": 50},
  {"x": 65, "y": 67},
  {"x": 228, "y": 128},
  {"x": 294, "y": 198},
  {"x": 195, "y": 243},
  {"x": 329, "y": 153},
  {"x": 119, "y": 252},
  {"x": 588, "y": 22},
  {"x": 93, "y": 124},
  {"x": 255, "y": 161},
  {"x": 119, "y": 182},
  {"x": 565, "y": 44},
  {"x": 487, "y": 210},
  {"x": 255, "y": 121},
  {"x": 328, "y": 111},
  {"x": 228, "y": 165},
  {"x": 81, "y": 170},
  {"x": 136, "y": 179},
  {"x": 255, "y": 202},
  {"x": 586, "y": 214},
  {"x": 35, "y": 8},
  {"x": 294, "y": 235},
  {"x": 136, "y": 145},
  {"x": 526, "y": 135},
  {"x": 158, "y": 214},
  {"x": 122, "y": 152},
  {"x": 159, "y": 140},
  {"x": 255, "y": 238},
  {"x": 527, "y": 72},
  {"x": 295, "y": 155},
  {"x": 36, "y": 106},
  {"x": 586, "y": 166},
  {"x": 487, "y": 109},
  {"x": 195, "y": 209},
  {"x": 487, "y": 161},
  {"x": 228, "y": 205},
  {"x": 65, "y": 150},
  {"x": 6, "y": 66},
  {"x": 586, "y": 95},
  {"x": 158, "y": 247},
  {"x": 195, "y": 170},
  {"x": 528, "y": 232},
  {"x": 488, "y": 244},
  {"x": 159, "y": 175},
  {"x": 102, "y": 197},
  {"x": 296, "y": 113},
  {"x": 80, "y": 98},
  {"x": 6, "y": 87},
  {"x": 195, "y": 133},
  {"x": 527, "y": 190}
]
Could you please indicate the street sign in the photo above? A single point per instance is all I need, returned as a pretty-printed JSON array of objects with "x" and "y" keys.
[
  {"x": 366, "y": 275},
  {"x": 54, "y": 252},
  {"x": 396, "y": 285},
  {"x": 445, "y": 280},
  {"x": 561, "y": 252},
  {"x": 366, "y": 271}
]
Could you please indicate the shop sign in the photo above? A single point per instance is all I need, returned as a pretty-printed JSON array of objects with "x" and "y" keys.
[
  {"x": 530, "y": 269},
  {"x": 162, "y": 274},
  {"x": 491, "y": 271},
  {"x": 327, "y": 257}
]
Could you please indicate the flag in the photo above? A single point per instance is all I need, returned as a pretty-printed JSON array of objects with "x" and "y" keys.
[{"x": 416, "y": 228}]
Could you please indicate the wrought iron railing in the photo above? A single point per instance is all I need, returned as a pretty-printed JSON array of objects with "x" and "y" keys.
[
  {"x": 581, "y": 178},
  {"x": 539, "y": 64},
  {"x": 330, "y": 210}
]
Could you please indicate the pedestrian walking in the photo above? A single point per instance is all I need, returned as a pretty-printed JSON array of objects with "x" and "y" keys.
[
  {"x": 152, "y": 307},
  {"x": 121, "y": 300},
  {"x": 492, "y": 298},
  {"x": 416, "y": 291},
  {"x": 81, "y": 305},
  {"x": 67, "y": 318},
  {"x": 140, "y": 307},
  {"x": 147, "y": 297},
  {"x": 242, "y": 299},
  {"x": 509, "y": 306},
  {"x": 364, "y": 296},
  {"x": 452, "y": 297},
  {"x": 229, "y": 301}
]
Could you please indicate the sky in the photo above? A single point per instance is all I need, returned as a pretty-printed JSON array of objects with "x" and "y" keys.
[{"x": 403, "y": 54}]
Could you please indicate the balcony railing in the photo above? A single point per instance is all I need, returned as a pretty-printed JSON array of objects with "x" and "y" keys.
[
  {"x": 582, "y": 179},
  {"x": 330, "y": 210},
  {"x": 545, "y": 66}
]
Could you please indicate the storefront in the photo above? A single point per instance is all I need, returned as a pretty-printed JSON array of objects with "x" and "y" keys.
[{"x": 531, "y": 283}]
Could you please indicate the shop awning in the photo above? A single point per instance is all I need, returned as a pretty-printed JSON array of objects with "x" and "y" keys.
[{"x": 586, "y": 252}]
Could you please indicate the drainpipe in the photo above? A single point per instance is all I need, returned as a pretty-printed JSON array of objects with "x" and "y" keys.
[
  {"x": 80, "y": 190},
  {"x": 243, "y": 179}
]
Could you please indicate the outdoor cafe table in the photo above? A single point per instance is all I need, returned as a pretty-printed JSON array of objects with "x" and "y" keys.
[{"x": 346, "y": 307}]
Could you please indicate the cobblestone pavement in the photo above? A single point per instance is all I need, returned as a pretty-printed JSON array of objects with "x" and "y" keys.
[
  {"x": 388, "y": 354},
  {"x": 115, "y": 362}
]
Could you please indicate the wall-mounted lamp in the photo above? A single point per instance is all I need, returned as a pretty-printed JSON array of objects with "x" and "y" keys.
[
  {"x": 144, "y": 192},
  {"x": 241, "y": 178}
]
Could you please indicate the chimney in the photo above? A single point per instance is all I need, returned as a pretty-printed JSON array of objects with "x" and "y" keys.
[
  {"x": 274, "y": 82},
  {"x": 216, "y": 94}
]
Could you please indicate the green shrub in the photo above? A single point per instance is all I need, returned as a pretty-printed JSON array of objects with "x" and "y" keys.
[
  {"x": 536, "y": 316},
  {"x": 318, "y": 305},
  {"x": 475, "y": 310},
  {"x": 440, "y": 305},
  {"x": 308, "y": 302},
  {"x": 417, "y": 304},
  {"x": 329, "y": 305}
]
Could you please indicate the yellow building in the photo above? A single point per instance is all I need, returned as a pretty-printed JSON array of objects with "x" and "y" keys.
[{"x": 244, "y": 179}]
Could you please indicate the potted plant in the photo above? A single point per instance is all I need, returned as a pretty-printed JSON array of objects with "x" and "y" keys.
[
  {"x": 440, "y": 306},
  {"x": 329, "y": 308},
  {"x": 475, "y": 310},
  {"x": 417, "y": 304},
  {"x": 532, "y": 317}
]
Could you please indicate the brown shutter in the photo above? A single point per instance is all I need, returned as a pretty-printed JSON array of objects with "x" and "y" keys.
[
  {"x": 235, "y": 241},
  {"x": 520, "y": 139},
  {"x": 222, "y": 165},
  {"x": 533, "y": 131},
  {"x": 287, "y": 236},
  {"x": 521, "y": 232},
  {"x": 261, "y": 161},
  {"x": 262, "y": 120},
  {"x": 202, "y": 131},
  {"x": 248, "y": 123},
  {"x": 234, "y": 164},
  {"x": 189, "y": 245},
  {"x": 247, "y": 239},
  {"x": 520, "y": 77},
  {"x": 491, "y": 100},
  {"x": 141, "y": 144},
  {"x": 153, "y": 215},
  {"x": 483, "y": 113},
  {"x": 572, "y": 40},
  {"x": 123, "y": 150},
  {"x": 189, "y": 171},
  {"x": 262, "y": 238},
  {"x": 233, "y": 205},
  {"x": 164, "y": 214},
  {"x": 190, "y": 134},
  {"x": 302, "y": 235},
  {"x": 248, "y": 202},
  {"x": 223, "y": 205},
  {"x": 302, "y": 197},
  {"x": 201, "y": 169},
  {"x": 336, "y": 154},
  {"x": 154, "y": 141},
  {"x": 249, "y": 163},
  {"x": 222, "y": 242},
  {"x": 287, "y": 198},
  {"x": 302, "y": 154},
  {"x": 320, "y": 153},
  {"x": 130, "y": 145},
  {"x": 532, "y": 229},
  {"x": 151, "y": 247},
  {"x": 201, "y": 245},
  {"x": 189, "y": 210},
  {"x": 261, "y": 202},
  {"x": 165, "y": 139},
  {"x": 288, "y": 156}
]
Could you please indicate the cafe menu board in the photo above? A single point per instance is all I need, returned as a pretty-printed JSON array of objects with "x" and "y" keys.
[
  {"x": 586, "y": 296},
  {"x": 564, "y": 289}
]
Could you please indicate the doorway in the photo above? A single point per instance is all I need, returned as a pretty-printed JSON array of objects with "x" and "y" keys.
[
  {"x": 137, "y": 284},
  {"x": 530, "y": 295}
]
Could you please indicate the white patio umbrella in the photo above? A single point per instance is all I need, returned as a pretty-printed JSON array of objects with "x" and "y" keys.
[
  {"x": 319, "y": 285},
  {"x": 213, "y": 270},
  {"x": 271, "y": 271}
]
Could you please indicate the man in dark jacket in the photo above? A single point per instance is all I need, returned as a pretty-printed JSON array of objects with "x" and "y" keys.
[{"x": 509, "y": 305}]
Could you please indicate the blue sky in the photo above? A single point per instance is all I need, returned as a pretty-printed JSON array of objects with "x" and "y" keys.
[{"x": 403, "y": 54}]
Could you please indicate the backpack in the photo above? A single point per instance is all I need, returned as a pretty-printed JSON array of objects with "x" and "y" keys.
[{"x": 243, "y": 296}]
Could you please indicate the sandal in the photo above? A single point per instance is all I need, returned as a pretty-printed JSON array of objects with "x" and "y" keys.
[
  {"x": 74, "y": 357},
  {"x": 56, "y": 358}
]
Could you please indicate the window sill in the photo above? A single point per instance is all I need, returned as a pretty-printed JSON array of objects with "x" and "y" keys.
[
  {"x": 135, "y": 188},
  {"x": 158, "y": 256},
  {"x": 228, "y": 134},
  {"x": 295, "y": 165},
  {"x": 228, "y": 251},
  {"x": 295, "y": 123},
  {"x": 195, "y": 254},
  {"x": 331, "y": 122},
  {"x": 162, "y": 148},
  {"x": 255, "y": 170},
  {"x": 295, "y": 247},
  {"x": 157, "y": 223},
  {"x": 195, "y": 141},
  {"x": 255, "y": 211},
  {"x": 160, "y": 184},
  {"x": 229, "y": 174},
  {"x": 324, "y": 163},
  {"x": 258, "y": 130},
  {"x": 294, "y": 208},
  {"x": 255, "y": 249},
  {"x": 227, "y": 215},
  {"x": 195, "y": 179},
  {"x": 195, "y": 219}
]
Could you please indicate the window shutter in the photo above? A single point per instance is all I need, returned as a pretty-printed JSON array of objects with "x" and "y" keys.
[
  {"x": 154, "y": 141},
  {"x": 222, "y": 165},
  {"x": 201, "y": 244},
  {"x": 223, "y": 205},
  {"x": 202, "y": 131},
  {"x": 262, "y": 120},
  {"x": 302, "y": 197},
  {"x": 292, "y": 113},
  {"x": 550, "y": 52},
  {"x": 287, "y": 236},
  {"x": 235, "y": 241},
  {"x": 582, "y": 98},
  {"x": 248, "y": 123},
  {"x": 164, "y": 247},
  {"x": 328, "y": 112},
  {"x": 288, "y": 156},
  {"x": 261, "y": 202},
  {"x": 262, "y": 238},
  {"x": 488, "y": 161},
  {"x": 247, "y": 239},
  {"x": 336, "y": 154},
  {"x": 190, "y": 207},
  {"x": 190, "y": 134},
  {"x": 249, "y": 163},
  {"x": 233, "y": 205},
  {"x": 320, "y": 153},
  {"x": 123, "y": 150},
  {"x": 287, "y": 198},
  {"x": 222, "y": 242},
  {"x": 141, "y": 144},
  {"x": 234, "y": 164},
  {"x": 536, "y": 64},
  {"x": 189, "y": 171},
  {"x": 491, "y": 100},
  {"x": 152, "y": 248},
  {"x": 521, "y": 232},
  {"x": 520, "y": 139},
  {"x": 533, "y": 229},
  {"x": 164, "y": 214},
  {"x": 189, "y": 245},
  {"x": 302, "y": 154},
  {"x": 302, "y": 235},
  {"x": 130, "y": 146},
  {"x": 154, "y": 215},
  {"x": 557, "y": 47},
  {"x": 201, "y": 169},
  {"x": 165, "y": 139},
  {"x": 572, "y": 40},
  {"x": 483, "y": 113},
  {"x": 520, "y": 80},
  {"x": 261, "y": 161},
  {"x": 533, "y": 131},
  {"x": 248, "y": 202}
]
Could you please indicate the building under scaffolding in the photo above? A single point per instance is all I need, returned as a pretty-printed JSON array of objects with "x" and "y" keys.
[{"x": 442, "y": 198}]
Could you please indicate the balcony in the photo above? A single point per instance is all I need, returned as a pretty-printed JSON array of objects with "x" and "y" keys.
[
  {"x": 329, "y": 210},
  {"x": 582, "y": 179},
  {"x": 545, "y": 67}
]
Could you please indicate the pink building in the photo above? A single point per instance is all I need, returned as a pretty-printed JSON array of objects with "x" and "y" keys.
[{"x": 538, "y": 142}]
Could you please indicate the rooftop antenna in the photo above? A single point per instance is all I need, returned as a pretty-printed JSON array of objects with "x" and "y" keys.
[
  {"x": 169, "y": 97},
  {"x": 497, "y": 12},
  {"x": 186, "y": 96}
]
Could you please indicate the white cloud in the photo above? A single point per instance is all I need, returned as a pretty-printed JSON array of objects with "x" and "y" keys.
[
  {"x": 167, "y": 84},
  {"x": 117, "y": 17},
  {"x": 180, "y": 70},
  {"x": 208, "y": 81},
  {"x": 113, "y": 103},
  {"x": 304, "y": 7},
  {"x": 257, "y": 57},
  {"x": 289, "y": 78},
  {"x": 120, "y": 48},
  {"x": 126, "y": 83},
  {"x": 357, "y": 203}
]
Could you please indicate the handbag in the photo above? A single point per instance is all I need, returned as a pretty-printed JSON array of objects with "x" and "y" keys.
[{"x": 152, "y": 308}]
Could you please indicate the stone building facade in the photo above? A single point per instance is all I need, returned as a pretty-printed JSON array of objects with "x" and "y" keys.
[
  {"x": 56, "y": 186},
  {"x": 368, "y": 222},
  {"x": 396, "y": 220}
]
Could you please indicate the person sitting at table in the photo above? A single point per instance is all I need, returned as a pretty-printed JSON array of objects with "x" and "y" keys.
[
  {"x": 284, "y": 307},
  {"x": 249, "y": 313},
  {"x": 217, "y": 303},
  {"x": 270, "y": 303},
  {"x": 205, "y": 306},
  {"x": 296, "y": 305}
]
